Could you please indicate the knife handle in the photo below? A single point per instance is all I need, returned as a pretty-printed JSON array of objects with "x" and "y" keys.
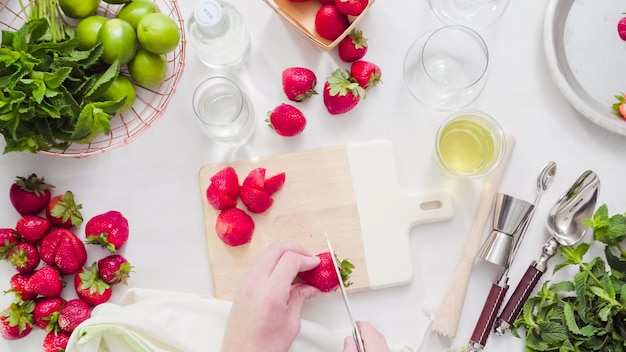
[
  {"x": 488, "y": 316},
  {"x": 515, "y": 304}
]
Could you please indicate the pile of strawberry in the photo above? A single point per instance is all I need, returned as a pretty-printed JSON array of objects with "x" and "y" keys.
[
  {"x": 233, "y": 225},
  {"x": 45, "y": 252}
]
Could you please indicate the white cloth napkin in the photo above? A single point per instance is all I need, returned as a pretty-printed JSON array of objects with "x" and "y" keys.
[{"x": 158, "y": 321}]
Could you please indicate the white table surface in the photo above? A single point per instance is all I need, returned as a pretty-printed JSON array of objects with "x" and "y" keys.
[{"x": 153, "y": 180}]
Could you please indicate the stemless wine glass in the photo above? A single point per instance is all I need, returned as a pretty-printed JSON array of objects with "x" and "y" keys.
[
  {"x": 476, "y": 14},
  {"x": 447, "y": 68},
  {"x": 224, "y": 111}
]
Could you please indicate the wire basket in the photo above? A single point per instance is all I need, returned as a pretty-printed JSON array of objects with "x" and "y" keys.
[{"x": 149, "y": 105}]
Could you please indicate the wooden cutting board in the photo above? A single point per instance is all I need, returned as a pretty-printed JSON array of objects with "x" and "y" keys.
[{"x": 349, "y": 191}]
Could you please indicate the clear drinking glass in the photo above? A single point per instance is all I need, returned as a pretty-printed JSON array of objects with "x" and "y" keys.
[
  {"x": 469, "y": 144},
  {"x": 447, "y": 69},
  {"x": 224, "y": 111},
  {"x": 476, "y": 14}
]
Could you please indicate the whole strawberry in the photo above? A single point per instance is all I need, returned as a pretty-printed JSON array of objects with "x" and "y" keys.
[
  {"x": 30, "y": 195},
  {"x": 114, "y": 269},
  {"x": 45, "y": 281},
  {"x": 32, "y": 228},
  {"x": 341, "y": 93},
  {"x": 299, "y": 83},
  {"x": 109, "y": 230},
  {"x": 16, "y": 321},
  {"x": 24, "y": 257},
  {"x": 74, "y": 312},
  {"x": 17, "y": 283},
  {"x": 286, "y": 120},
  {"x": 353, "y": 47},
  {"x": 330, "y": 23},
  {"x": 367, "y": 74},
  {"x": 90, "y": 287},
  {"x": 324, "y": 276},
  {"x": 62, "y": 211},
  {"x": 234, "y": 227},
  {"x": 46, "y": 312},
  {"x": 8, "y": 239},
  {"x": 55, "y": 341},
  {"x": 63, "y": 249},
  {"x": 223, "y": 191},
  {"x": 351, "y": 7}
]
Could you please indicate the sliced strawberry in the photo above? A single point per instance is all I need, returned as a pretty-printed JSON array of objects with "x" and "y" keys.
[
  {"x": 227, "y": 181},
  {"x": 255, "y": 179},
  {"x": 274, "y": 183},
  {"x": 256, "y": 201},
  {"x": 234, "y": 227},
  {"x": 217, "y": 199}
]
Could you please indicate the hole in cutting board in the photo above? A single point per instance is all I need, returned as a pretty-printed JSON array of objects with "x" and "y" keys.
[{"x": 432, "y": 205}]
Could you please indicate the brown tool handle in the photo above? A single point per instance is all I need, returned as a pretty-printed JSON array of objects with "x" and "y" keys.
[
  {"x": 515, "y": 304},
  {"x": 446, "y": 320},
  {"x": 488, "y": 315}
]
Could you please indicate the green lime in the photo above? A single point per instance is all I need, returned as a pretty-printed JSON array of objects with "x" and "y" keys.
[
  {"x": 118, "y": 40},
  {"x": 87, "y": 31},
  {"x": 79, "y": 8},
  {"x": 148, "y": 69},
  {"x": 119, "y": 88},
  {"x": 158, "y": 33},
  {"x": 133, "y": 11}
]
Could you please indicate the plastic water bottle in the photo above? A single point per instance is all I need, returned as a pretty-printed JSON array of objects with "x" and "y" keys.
[{"x": 219, "y": 35}]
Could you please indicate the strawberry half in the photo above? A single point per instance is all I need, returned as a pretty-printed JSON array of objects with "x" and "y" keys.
[
  {"x": 324, "y": 276},
  {"x": 274, "y": 183},
  {"x": 353, "y": 47},
  {"x": 341, "y": 93},
  {"x": 234, "y": 227},
  {"x": 299, "y": 83},
  {"x": 255, "y": 200},
  {"x": 330, "y": 23},
  {"x": 74, "y": 312},
  {"x": 30, "y": 195},
  {"x": 223, "y": 190},
  {"x": 109, "y": 230},
  {"x": 63, "y": 249},
  {"x": 16, "y": 321},
  {"x": 255, "y": 178},
  {"x": 32, "y": 228},
  {"x": 46, "y": 312},
  {"x": 366, "y": 74},
  {"x": 62, "y": 211},
  {"x": 90, "y": 287},
  {"x": 286, "y": 120}
]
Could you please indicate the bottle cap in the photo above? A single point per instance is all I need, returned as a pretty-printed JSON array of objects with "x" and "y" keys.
[{"x": 208, "y": 13}]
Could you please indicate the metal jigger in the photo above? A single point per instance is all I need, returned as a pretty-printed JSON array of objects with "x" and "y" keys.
[{"x": 509, "y": 216}]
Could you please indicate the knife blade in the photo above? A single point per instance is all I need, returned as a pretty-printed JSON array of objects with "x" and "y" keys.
[{"x": 355, "y": 329}]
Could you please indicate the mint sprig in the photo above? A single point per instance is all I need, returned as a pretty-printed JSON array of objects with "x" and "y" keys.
[{"x": 588, "y": 312}]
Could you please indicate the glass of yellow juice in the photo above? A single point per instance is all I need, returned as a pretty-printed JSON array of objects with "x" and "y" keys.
[{"x": 469, "y": 144}]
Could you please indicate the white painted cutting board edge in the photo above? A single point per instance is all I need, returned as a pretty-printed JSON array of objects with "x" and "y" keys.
[{"x": 387, "y": 250}]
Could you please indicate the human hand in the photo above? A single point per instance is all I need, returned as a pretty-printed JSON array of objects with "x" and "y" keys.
[
  {"x": 373, "y": 340},
  {"x": 266, "y": 311}
]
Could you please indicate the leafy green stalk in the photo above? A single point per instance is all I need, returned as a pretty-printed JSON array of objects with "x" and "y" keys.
[
  {"x": 588, "y": 312},
  {"x": 50, "y": 11}
]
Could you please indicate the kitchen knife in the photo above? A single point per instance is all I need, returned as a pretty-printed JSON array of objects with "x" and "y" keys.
[{"x": 355, "y": 329}]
